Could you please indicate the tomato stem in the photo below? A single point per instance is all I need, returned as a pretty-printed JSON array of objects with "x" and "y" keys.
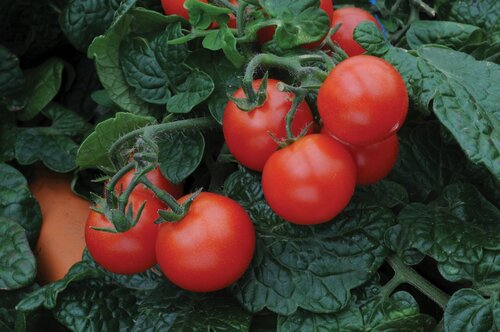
[
  {"x": 110, "y": 186},
  {"x": 240, "y": 18},
  {"x": 405, "y": 274},
  {"x": 164, "y": 196}
]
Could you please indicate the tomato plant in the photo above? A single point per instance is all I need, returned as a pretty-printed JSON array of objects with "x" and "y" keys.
[
  {"x": 176, "y": 7},
  {"x": 210, "y": 247},
  {"x": 309, "y": 181},
  {"x": 129, "y": 252},
  {"x": 363, "y": 100},
  {"x": 349, "y": 18},
  {"x": 156, "y": 178},
  {"x": 249, "y": 135}
]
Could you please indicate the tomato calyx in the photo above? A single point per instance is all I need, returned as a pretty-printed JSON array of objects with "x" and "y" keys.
[
  {"x": 181, "y": 210},
  {"x": 254, "y": 99}
]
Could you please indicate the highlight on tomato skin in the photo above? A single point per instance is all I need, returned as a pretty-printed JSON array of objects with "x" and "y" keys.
[
  {"x": 247, "y": 134},
  {"x": 373, "y": 162},
  {"x": 349, "y": 18},
  {"x": 363, "y": 100},
  {"x": 310, "y": 181},
  {"x": 129, "y": 252},
  {"x": 210, "y": 248}
]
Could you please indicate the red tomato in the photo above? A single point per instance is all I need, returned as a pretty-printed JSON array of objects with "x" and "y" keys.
[
  {"x": 128, "y": 252},
  {"x": 176, "y": 7},
  {"x": 266, "y": 34},
  {"x": 350, "y": 18},
  {"x": 247, "y": 133},
  {"x": 375, "y": 161},
  {"x": 310, "y": 181},
  {"x": 210, "y": 248},
  {"x": 156, "y": 178},
  {"x": 363, "y": 100}
]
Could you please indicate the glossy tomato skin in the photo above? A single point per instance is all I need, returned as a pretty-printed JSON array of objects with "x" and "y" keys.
[
  {"x": 210, "y": 248},
  {"x": 375, "y": 161},
  {"x": 363, "y": 100},
  {"x": 350, "y": 18},
  {"x": 310, "y": 181},
  {"x": 128, "y": 252},
  {"x": 176, "y": 7},
  {"x": 156, "y": 178},
  {"x": 247, "y": 133},
  {"x": 266, "y": 34}
]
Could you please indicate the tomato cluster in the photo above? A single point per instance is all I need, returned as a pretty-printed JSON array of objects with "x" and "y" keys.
[
  {"x": 208, "y": 249},
  {"x": 362, "y": 103}
]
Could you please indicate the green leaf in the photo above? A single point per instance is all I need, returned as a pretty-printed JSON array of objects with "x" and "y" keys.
[
  {"x": 11, "y": 77},
  {"x": 298, "y": 22},
  {"x": 201, "y": 15},
  {"x": 482, "y": 13},
  {"x": 105, "y": 51},
  {"x": 468, "y": 311},
  {"x": 8, "y": 135},
  {"x": 93, "y": 152},
  {"x": 460, "y": 230},
  {"x": 9, "y": 317},
  {"x": 447, "y": 80},
  {"x": 196, "y": 89},
  {"x": 169, "y": 309},
  {"x": 82, "y": 20},
  {"x": 17, "y": 202},
  {"x": 86, "y": 307},
  {"x": 52, "y": 145},
  {"x": 180, "y": 154},
  {"x": 42, "y": 85},
  {"x": 400, "y": 312},
  {"x": 426, "y": 163},
  {"x": 17, "y": 263},
  {"x": 224, "y": 76},
  {"x": 383, "y": 193},
  {"x": 313, "y": 267},
  {"x": 451, "y": 34},
  {"x": 223, "y": 39}
]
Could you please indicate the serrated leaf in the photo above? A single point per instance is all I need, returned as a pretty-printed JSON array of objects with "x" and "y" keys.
[
  {"x": 460, "y": 230},
  {"x": 312, "y": 268},
  {"x": 52, "y": 145},
  {"x": 82, "y": 20},
  {"x": 180, "y": 154},
  {"x": 446, "y": 79},
  {"x": 11, "y": 76},
  {"x": 400, "y": 312},
  {"x": 105, "y": 51},
  {"x": 93, "y": 152},
  {"x": 85, "y": 307},
  {"x": 482, "y": 13},
  {"x": 468, "y": 311},
  {"x": 17, "y": 203},
  {"x": 197, "y": 87},
  {"x": 42, "y": 85},
  {"x": 17, "y": 263}
]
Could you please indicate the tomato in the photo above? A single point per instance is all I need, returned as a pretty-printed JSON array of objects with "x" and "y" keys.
[
  {"x": 266, "y": 34},
  {"x": 128, "y": 252},
  {"x": 375, "y": 161},
  {"x": 363, "y": 100},
  {"x": 176, "y": 7},
  {"x": 309, "y": 181},
  {"x": 210, "y": 248},
  {"x": 247, "y": 134},
  {"x": 156, "y": 178},
  {"x": 350, "y": 18}
]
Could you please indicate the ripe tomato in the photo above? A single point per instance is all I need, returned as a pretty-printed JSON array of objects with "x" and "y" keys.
[
  {"x": 310, "y": 181},
  {"x": 266, "y": 34},
  {"x": 128, "y": 252},
  {"x": 350, "y": 18},
  {"x": 247, "y": 133},
  {"x": 375, "y": 161},
  {"x": 210, "y": 248},
  {"x": 156, "y": 178},
  {"x": 363, "y": 100},
  {"x": 176, "y": 7}
]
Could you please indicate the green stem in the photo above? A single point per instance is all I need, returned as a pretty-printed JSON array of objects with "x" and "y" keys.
[
  {"x": 391, "y": 285},
  {"x": 110, "y": 186},
  {"x": 124, "y": 197},
  {"x": 410, "y": 276},
  {"x": 264, "y": 59},
  {"x": 413, "y": 17},
  {"x": 240, "y": 18},
  {"x": 227, "y": 4},
  {"x": 164, "y": 196},
  {"x": 189, "y": 124},
  {"x": 425, "y": 7},
  {"x": 300, "y": 95}
]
